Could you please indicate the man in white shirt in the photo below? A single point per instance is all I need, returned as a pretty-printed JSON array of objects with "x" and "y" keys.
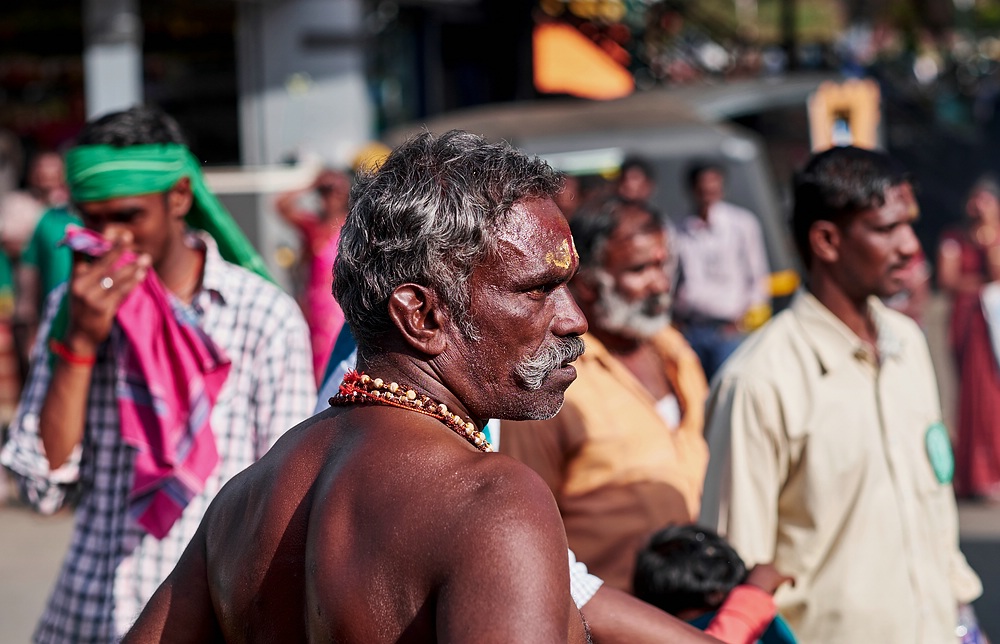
[{"x": 723, "y": 270}]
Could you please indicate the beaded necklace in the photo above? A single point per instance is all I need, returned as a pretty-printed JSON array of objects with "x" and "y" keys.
[{"x": 359, "y": 388}]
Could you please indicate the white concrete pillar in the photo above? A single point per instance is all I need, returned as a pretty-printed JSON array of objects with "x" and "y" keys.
[
  {"x": 302, "y": 80},
  {"x": 112, "y": 55}
]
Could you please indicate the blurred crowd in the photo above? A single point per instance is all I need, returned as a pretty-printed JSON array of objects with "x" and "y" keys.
[{"x": 710, "y": 454}]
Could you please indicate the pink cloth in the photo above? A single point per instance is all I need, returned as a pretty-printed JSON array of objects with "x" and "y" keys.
[
  {"x": 977, "y": 448},
  {"x": 322, "y": 313},
  {"x": 170, "y": 374}
]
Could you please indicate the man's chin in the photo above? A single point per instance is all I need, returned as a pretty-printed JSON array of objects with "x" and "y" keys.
[
  {"x": 544, "y": 411},
  {"x": 546, "y": 401},
  {"x": 891, "y": 288}
]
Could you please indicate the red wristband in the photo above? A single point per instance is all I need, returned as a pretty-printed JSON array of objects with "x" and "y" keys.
[{"x": 67, "y": 356}]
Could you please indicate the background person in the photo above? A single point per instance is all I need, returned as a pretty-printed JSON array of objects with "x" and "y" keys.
[
  {"x": 625, "y": 455},
  {"x": 20, "y": 210},
  {"x": 319, "y": 233},
  {"x": 45, "y": 264},
  {"x": 722, "y": 290},
  {"x": 161, "y": 371},
  {"x": 968, "y": 260},
  {"x": 829, "y": 457},
  {"x": 21, "y": 213},
  {"x": 636, "y": 179},
  {"x": 689, "y": 571}
]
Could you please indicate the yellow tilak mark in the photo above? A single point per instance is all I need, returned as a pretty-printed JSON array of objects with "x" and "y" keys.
[{"x": 563, "y": 258}]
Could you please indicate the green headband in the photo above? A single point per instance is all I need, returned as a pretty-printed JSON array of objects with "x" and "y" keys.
[{"x": 100, "y": 172}]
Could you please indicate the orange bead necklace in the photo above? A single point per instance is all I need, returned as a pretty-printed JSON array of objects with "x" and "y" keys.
[{"x": 359, "y": 388}]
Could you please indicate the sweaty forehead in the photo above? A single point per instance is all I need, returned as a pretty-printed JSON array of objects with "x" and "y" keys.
[
  {"x": 534, "y": 220},
  {"x": 536, "y": 237}
]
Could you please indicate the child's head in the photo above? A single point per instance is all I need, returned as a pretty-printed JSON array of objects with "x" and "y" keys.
[{"x": 687, "y": 570}]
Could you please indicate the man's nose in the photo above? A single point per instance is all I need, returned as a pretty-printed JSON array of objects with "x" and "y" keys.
[
  {"x": 569, "y": 319},
  {"x": 114, "y": 232},
  {"x": 909, "y": 245}
]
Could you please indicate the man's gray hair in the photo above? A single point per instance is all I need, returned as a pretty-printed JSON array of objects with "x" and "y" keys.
[{"x": 429, "y": 215}]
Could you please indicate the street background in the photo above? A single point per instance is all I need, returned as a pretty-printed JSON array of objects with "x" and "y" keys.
[
  {"x": 32, "y": 546},
  {"x": 266, "y": 90}
]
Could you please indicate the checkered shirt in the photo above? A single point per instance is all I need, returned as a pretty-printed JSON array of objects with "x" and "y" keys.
[{"x": 113, "y": 566}]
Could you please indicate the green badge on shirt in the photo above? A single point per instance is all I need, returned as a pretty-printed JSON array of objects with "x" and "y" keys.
[{"x": 939, "y": 452}]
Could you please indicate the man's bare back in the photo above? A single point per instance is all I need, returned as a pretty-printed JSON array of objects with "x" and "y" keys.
[{"x": 327, "y": 538}]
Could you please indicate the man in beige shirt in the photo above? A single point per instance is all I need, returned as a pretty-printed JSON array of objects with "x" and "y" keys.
[
  {"x": 829, "y": 457},
  {"x": 625, "y": 456}
]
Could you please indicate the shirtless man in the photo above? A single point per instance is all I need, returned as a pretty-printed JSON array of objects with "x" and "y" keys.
[{"x": 372, "y": 522}]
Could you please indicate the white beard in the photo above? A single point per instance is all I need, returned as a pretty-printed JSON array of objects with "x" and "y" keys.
[{"x": 634, "y": 320}]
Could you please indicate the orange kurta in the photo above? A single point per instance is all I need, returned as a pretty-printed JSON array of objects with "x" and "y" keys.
[{"x": 617, "y": 471}]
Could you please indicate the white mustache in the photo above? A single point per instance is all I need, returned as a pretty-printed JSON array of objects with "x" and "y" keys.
[{"x": 533, "y": 371}]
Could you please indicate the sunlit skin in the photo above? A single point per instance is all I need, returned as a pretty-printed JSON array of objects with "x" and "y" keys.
[
  {"x": 866, "y": 255},
  {"x": 877, "y": 245},
  {"x": 520, "y": 304}
]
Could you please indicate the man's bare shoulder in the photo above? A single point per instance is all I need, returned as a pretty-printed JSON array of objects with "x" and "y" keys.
[
  {"x": 471, "y": 481},
  {"x": 504, "y": 482},
  {"x": 459, "y": 519}
]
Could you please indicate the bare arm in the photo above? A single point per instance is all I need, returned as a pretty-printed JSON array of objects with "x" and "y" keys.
[
  {"x": 508, "y": 540},
  {"x": 617, "y": 617},
  {"x": 92, "y": 309},
  {"x": 287, "y": 206}
]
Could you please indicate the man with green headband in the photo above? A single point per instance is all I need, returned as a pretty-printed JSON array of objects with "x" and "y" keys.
[{"x": 135, "y": 183}]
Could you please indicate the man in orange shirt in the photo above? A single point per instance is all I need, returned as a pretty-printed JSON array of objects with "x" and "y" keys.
[{"x": 625, "y": 456}]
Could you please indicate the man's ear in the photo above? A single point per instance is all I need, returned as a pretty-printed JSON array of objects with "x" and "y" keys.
[
  {"x": 824, "y": 241},
  {"x": 420, "y": 317},
  {"x": 179, "y": 198}
]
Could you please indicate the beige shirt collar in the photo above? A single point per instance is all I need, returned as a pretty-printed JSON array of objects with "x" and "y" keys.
[{"x": 834, "y": 343}]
